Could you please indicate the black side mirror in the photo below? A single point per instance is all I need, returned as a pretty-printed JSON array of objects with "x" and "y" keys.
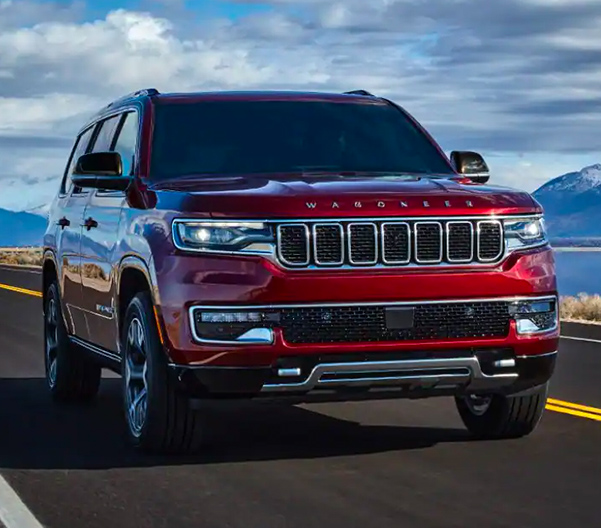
[
  {"x": 471, "y": 165},
  {"x": 100, "y": 170}
]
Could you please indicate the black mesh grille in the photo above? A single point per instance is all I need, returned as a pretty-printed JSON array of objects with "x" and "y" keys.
[
  {"x": 328, "y": 244},
  {"x": 348, "y": 324},
  {"x": 396, "y": 243},
  {"x": 409, "y": 242},
  {"x": 428, "y": 242},
  {"x": 460, "y": 241},
  {"x": 293, "y": 244},
  {"x": 490, "y": 241},
  {"x": 363, "y": 243}
]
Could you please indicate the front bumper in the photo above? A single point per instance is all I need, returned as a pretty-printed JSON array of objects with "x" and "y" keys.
[{"x": 454, "y": 374}]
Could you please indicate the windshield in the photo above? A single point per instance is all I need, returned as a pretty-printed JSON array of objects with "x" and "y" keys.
[{"x": 246, "y": 137}]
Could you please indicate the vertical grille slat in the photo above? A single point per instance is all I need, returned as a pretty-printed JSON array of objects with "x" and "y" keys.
[
  {"x": 293, "y": 244},
  {"x": 386, "y": 243},
  {"x": 328, "y": 244},
  {"x": 490, "y": 240},
  {"x": 460, "y": 241},
  {"x": 396, "y": 243},
  {"x": 363, "y": 243},
  {"x": 428, "y": 242}
]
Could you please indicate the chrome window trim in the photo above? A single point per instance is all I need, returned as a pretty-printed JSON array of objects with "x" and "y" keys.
[
  {"x": 314, "y": 235},
  {"x": 279, "y": 249},
  {"x": 501, "y": 249},
  {"x": 416, "y": 241},
  {"x": 472, "y": 243},
  {"x": 383, "y": 236},
  {"x": 349, "y": 244}
]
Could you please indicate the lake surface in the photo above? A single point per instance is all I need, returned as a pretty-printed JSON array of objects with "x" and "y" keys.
[{"x": 578, "y": 271}]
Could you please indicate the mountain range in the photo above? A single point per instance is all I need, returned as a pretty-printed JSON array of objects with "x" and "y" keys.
[
  {"x": 21, "y": 228},
  {"x": 572, "y": 204}
]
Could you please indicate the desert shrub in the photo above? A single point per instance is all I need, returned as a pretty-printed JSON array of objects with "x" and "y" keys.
[
  {"x": 21, "y": 256},
  {"x": 584, "y": 307}
]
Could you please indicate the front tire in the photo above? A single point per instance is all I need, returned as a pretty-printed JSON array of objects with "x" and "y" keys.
[
  {"x": 159, "y": 418},
  {"x": 70, "y": 376},
  {"x": 498, "y": 416}
]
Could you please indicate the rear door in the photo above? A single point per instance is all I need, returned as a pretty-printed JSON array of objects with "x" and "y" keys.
[
  {"x": 69, "y": 216},
  {"x": 100, "y": 237}
]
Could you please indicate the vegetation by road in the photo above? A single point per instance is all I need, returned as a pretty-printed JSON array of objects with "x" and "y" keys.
[{"x": 21, "y": 256}]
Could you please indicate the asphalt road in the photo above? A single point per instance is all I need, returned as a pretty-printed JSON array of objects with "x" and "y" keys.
[{"x": 368, "y": 465}]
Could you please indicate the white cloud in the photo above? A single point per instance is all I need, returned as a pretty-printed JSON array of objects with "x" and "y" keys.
[{"x": 504, "y": 78}]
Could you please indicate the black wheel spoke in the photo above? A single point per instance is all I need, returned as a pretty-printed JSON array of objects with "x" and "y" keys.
[{"x": 135, "y": 376}]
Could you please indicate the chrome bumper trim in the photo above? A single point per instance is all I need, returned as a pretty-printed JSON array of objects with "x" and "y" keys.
[{"x": 432, "y": 373}]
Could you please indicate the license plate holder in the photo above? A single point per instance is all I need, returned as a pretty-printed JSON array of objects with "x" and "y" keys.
[{"x": 399, "y": 317}]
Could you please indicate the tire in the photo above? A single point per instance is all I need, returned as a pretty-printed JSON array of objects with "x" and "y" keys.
[
  {"x": 159, "y": 418},
  {"x": 501, "y": 416},
  {"x": 70, "y": 375}
]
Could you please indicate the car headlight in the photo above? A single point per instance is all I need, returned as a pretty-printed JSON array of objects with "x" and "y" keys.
[
  {"x": 521, "y": 233},
  {"x": 242, "y": 237}
]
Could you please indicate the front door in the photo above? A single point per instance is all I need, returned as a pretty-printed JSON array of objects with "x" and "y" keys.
[
  {"x": 69, "y": 216},
  {"x": 100, "y": 236}
]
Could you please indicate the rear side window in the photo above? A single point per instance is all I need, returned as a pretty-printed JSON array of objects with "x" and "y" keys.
[
  {"x": 127, "y": 142},
  {"x": 104, "y": 139},
  {"x": 246, "y": 137},
  {"x": 80, "y": 148}
]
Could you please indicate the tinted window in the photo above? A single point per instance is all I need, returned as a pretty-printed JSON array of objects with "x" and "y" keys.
[
  {"x": 80, "y": 148},
  {"x": 104, "y": 140},
  {"x": 228, "y": 137},
  {"x": 127, "y": 141}
]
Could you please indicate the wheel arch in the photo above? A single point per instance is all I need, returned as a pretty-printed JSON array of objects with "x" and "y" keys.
[
  {"x": 49, "y": 271},
  {"x": 135, "y": 276}
]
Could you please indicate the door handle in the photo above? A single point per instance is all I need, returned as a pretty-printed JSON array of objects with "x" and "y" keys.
[
  {"x": 90, "y": 223},
  {"x": 63, "y": 222}
]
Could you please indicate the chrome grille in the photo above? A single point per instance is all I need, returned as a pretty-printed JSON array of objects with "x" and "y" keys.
[
  {"x": 357, "y": 243},
  {"x": 327, "y": 244}
]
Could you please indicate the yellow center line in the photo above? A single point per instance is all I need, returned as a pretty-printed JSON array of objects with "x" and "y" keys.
[
  {"x": 20, "y": 290},
  {"x": 566, "y": 410},
  {"x": 575, "y": 406}
]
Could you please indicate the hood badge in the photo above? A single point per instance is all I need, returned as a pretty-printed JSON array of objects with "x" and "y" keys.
[{"x": 381, "y": 204}]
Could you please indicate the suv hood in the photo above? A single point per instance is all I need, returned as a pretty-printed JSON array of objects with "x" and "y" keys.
[{"x": 334, "y": 195}]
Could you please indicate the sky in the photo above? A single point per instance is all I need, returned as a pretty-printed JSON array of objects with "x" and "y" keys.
[{"x": 517, "y": 80}]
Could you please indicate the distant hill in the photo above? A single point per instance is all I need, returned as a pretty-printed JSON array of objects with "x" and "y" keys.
[
  {"x": 572, "y": 204},
  {"x": 21, "y": 228}
]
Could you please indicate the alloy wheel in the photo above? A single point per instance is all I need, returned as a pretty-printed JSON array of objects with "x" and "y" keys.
[
  {"x": 478, "y": 404},
  {"x": 51, "y": 341},
  {"x": 136, "y": 382}
]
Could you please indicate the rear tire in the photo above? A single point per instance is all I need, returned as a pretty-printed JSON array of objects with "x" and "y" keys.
[
  {"x": 159, "y": 419},
  {"x": 500, "y": 416},
  {"x": 70, "y": 376}
]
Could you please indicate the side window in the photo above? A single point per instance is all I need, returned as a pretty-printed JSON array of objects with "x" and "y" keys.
[
  {"x": 79, "y": 148},
  {"x": 127, "y": 142},
  {"x": 104, "y": 139}
]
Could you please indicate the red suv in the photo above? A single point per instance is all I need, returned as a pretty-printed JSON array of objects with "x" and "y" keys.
[{"x": 297, "y": 246}]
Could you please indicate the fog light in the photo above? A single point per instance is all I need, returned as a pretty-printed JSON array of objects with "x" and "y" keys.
[
  {"x": 535, "y": 317},
  {"x": 234, "y": 327},
  {"x": 231, "y": 317}
]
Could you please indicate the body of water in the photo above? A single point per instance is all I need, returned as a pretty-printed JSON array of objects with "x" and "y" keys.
[{"x": 578, "y": 272}]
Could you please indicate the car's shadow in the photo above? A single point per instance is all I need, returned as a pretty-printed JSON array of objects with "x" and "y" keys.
[{"x": 38, "y": 434}]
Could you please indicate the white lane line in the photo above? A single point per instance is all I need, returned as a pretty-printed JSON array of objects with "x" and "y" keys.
[
  {"x": 13, "y": 512},
  {"x": 581, "y": 339}
]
